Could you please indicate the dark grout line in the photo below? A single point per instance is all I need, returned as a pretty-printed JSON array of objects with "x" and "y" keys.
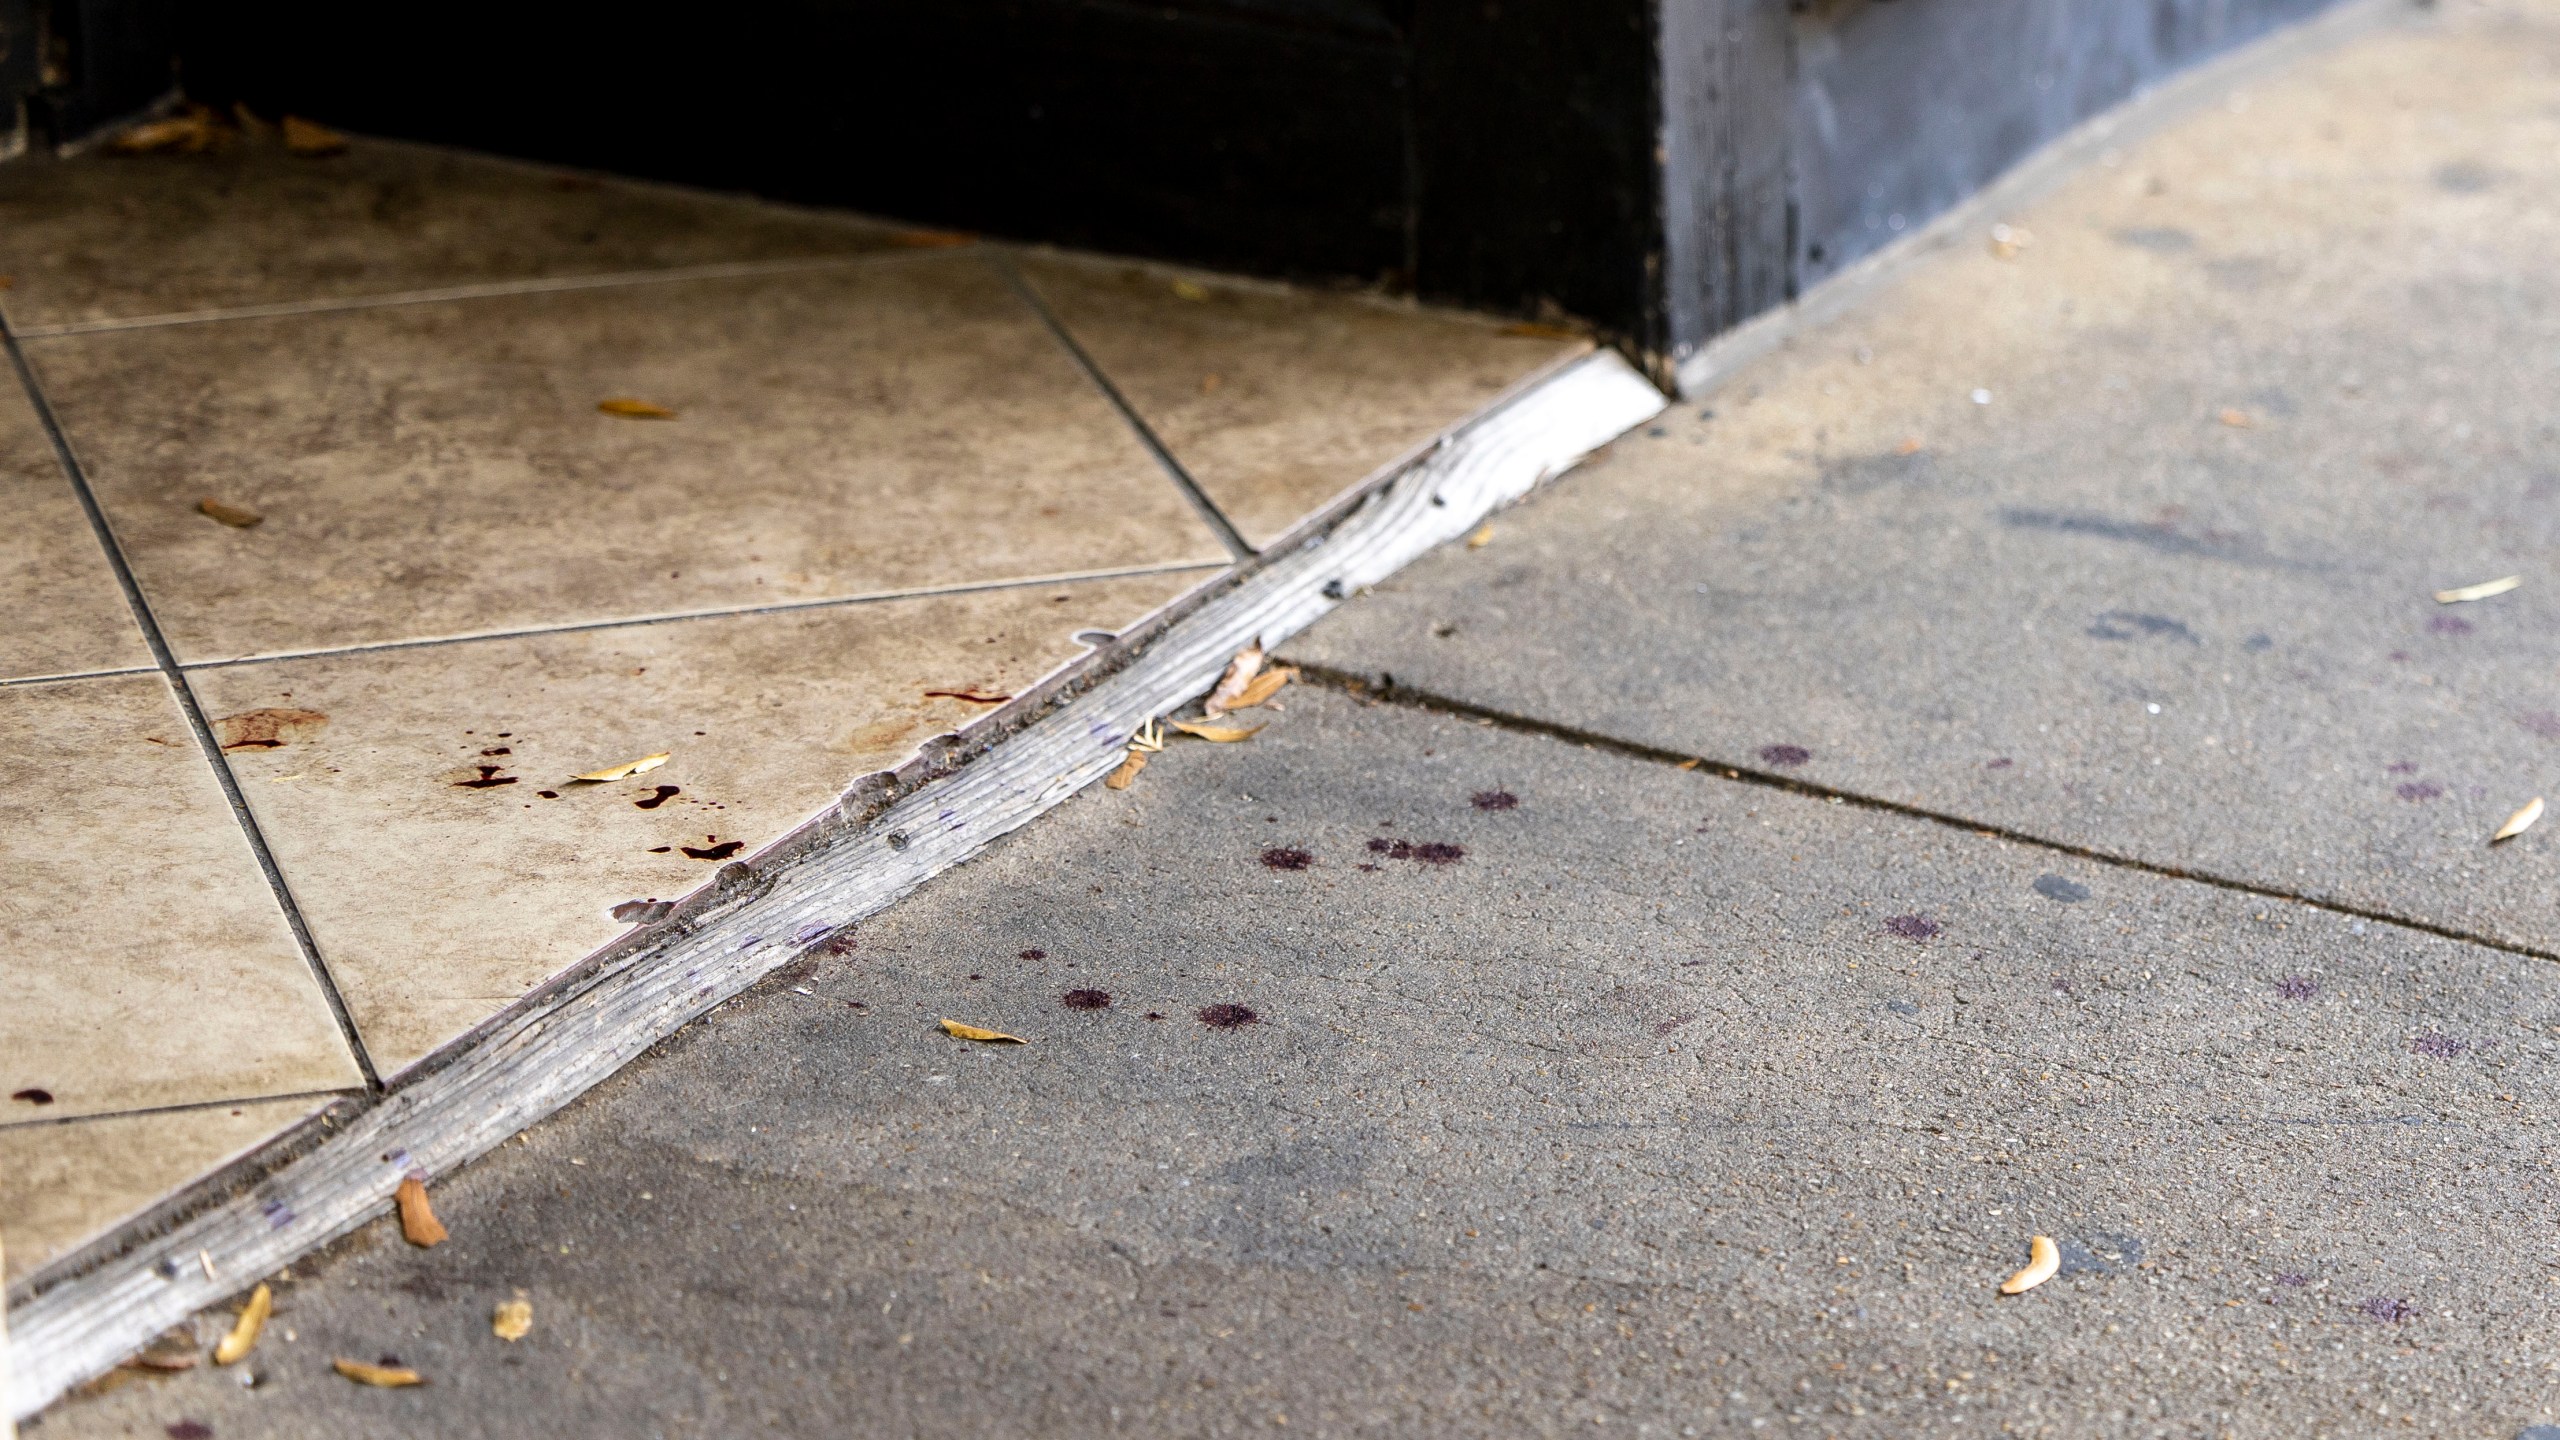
[
  {"x": 1200, "y": 501},
  {"x": 787, "y": 607},
  {"x": 67, "y": 676},
  {"x": 184, "y": 1107},
  {"x": 170, "y": 670},
  {"x": 1363, "y": 687}
]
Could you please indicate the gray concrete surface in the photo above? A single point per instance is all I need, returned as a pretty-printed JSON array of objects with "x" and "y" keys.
[
  {"x": 1673, "y": 1105},
  {"x": 2090, "y": 608}
]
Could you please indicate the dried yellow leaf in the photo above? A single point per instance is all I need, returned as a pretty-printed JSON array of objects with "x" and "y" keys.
[
  {"x": 389, "y": 1377},
  {"x": 1240, "y": 673},
  {"x": 1482, "y": 537},
  {"x": 630, "y": 409},
  {"x": 2519, "y": 822},
  {"x": 2042, "y": 1261},
  {"x": 2008, "y": 240},
  {"x": 2481, "y": 591},
  {"x": 1190, "y": 290},
  {"x": 512, "y": 1320},
  {"x": 1222, "y": 734},
  {"x": 627, "y": 769},
  {"x": 1264, "y": 686},
  {"x": 418, "y": 1223},
  {"x": 311, "y": 141},
  {"x": 186, "y": 134},
  {"x": 238, "y": 517},
  {"x": 244, "y": 1331},
  {"x": 2237, "y": 419},
  {"x": 1127, "y": 774},
  {"x": 1910, "y": 445},
  {"x": 972, "y": 1032}
]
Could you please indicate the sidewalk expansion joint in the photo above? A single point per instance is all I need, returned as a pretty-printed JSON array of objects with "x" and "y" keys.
[{"x": 1384, "y": 690}]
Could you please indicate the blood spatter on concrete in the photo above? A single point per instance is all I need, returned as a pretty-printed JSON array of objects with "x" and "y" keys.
[
  {"x": 1086, "y": 1000},
  {"x": 1785, "y": 757},
  {"x": 1228, "y": 1016},
  {"x": 2297, "y": 987},
  {"x": 1286, "y": 857},
  {"x": 1913, "y": 927},
  {"x": 658, "y": 797},
  {"x": 1495, "y": 800},
  {"x": 718, "y": 849}
]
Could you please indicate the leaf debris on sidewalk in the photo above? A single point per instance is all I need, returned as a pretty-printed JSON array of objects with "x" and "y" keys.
[
  {"x": 1482, "y": 537},
  {"x": 2519, "y": 822},
  {"x": 418, "y": 1223},
  {"x": 1239, "y": 674},
  {"x": 2043, "y": 1260},
  {"x": 243, "y": 1336},
  {"x": 980, "y": 1034},
  {"x": 1221, "y": 734},
  {"x": 310, "y": 140},
  {"x": 626, "y": 408},
  {"x": 626, "y": 769},
  {"x": 387, "y": 1377},
  {"x": 1148, "y": 741},
  {"x": 2481, "y": 591},
  {"x": 238, "y": 517},
  {"x": 513, "y": 1319}
]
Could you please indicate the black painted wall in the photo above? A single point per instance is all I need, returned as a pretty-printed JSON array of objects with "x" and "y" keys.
[{"x": 1663, "y": 169}]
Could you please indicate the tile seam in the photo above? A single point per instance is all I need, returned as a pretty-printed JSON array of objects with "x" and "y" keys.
[
  {"x": 1173, "y": 468},
  {"x": 181, "y": 1107},
  {"x": 678, "y": 617},
  {"x": 481, "y": 290},
  {"x": 188, "y": 705},
  {"x": 1352, "y": 683}
]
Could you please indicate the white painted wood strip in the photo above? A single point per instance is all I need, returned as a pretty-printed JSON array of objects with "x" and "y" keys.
[{"x": 532, "y": 1062}]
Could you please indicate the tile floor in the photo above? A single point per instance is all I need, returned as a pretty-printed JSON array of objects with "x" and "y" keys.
[{"x": 889, "y": 473}]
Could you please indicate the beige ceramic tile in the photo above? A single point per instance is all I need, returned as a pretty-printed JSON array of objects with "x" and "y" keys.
[
  {"x": 143, "y": 959},
  {"x": 62, "y": 1186},
  {"x": 445, "y": 863},
  {"x": 102, "y": 236},
  {"x": 1277, "y": 401},
  {"x": 441, "y": 470},
  {"x": 66, "y": 614}
]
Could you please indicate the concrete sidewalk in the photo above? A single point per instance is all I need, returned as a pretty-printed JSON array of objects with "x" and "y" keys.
[{"x": 1993, "y": 769}]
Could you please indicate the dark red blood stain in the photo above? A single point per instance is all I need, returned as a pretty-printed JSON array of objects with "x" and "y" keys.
[
  {"x": 1675, "y": 1022},
  {"x": 1155, "y": 1014},
  {"x": 1285, "y": 857},
  {"x": 2003, "y": 763},
  {"x": 838, "y": 941},
  {"x": 1227, "y": 1017},
  {"x": 548, "y": 794},
  {"x": 489, "y": 777},
  {"x": 721, "y": 851},
  {"x": 189, "y": 1430},
  {"x": 971, "y": 696},
  {"x": 1430, "y": 852},
  {"x": 2297, "y": 987},
  {"x": 664, "y": 794},
  {"x": 1785, "y": 755},
  {"x": 1035, "y": 954},
  {"x": 2420, "y": 790},
  {"x": 977, "y": 977},
  {"x": 2438, "y": 1047},
  {"x": 1912, "y": 927},
  {"x": 33, "y": 1096},
  {"x": 2401, "y": 767},
  {"x": 660, "y": 849},
  {"x": 499, "y": 750},
  {"x": 1496, "y": 800},
  {"x": 1086, "y": 1000},
  {"x": 1372, "y": 869},
  {"x": 2386, "y": 1309},
  {"x": 2449, "y": 625}
]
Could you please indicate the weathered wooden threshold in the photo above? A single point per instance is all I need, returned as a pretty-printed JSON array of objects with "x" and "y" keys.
[{"x": 885, "y": 838}]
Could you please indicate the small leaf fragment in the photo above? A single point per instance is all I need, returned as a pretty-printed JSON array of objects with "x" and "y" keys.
[
  {"x": 630, "y": 409},
  {"x": 188, "y": 134},
  {"x": 512, "y": 1320},
  {"x": 626, "y": 769},
  {"x": 1240, "y": 673},
  {"x": 988, "y": 1037},
  {"x": 2519, "y": 822},
  {"x": 1482, "y": 537},
  {"x": 1222, "y": 734},
  {"x": 311, "y": 141},
  {"x": 2236, "y": 419},
  {"x": 388, "y": 1377},
  {"x": 2043, "y": 1259},
  {"x": 244, "y": 1331},
  {"x": 1190, "y": 290},
  {"x": 418, "y": 1223},
  {"x": 1911, "y": 445},
  {"x": 1127, "y": 774},
  {"x": 1264, "y": 686},
  {"x": 238, "y": 517},
  {"x": 2481, "y": 591}
]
